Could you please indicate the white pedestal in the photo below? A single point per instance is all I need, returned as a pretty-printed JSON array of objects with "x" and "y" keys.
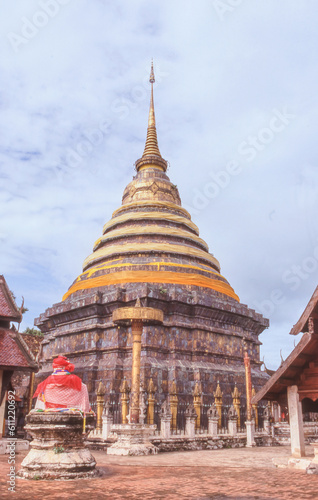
[
  {"x": 213, "y": 426},
  {"x": 165, "y": 427},
  {"x": 133, "y": 439},
  {"x": 190, "y": 427},
  {"x": 232, "y": 425},
  {"x": 250, "y": 426}
]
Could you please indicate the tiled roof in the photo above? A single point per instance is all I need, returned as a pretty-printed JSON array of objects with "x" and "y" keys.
[
  {"x": 290, "y": 370},
  {"x": 8, "y": 308},
  {"x": 14, "y": 352}
]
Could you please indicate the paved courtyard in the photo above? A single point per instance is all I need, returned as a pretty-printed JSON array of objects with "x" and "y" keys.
[{"x": 239, "y": 474}]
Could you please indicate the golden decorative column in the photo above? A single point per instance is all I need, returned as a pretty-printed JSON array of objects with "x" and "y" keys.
[
  {"x": 100, "y": 395},
  {"x": 136, "y": 330},
  {"x": 248, "y": 383},
  {"x": 255, "y": 408},
  {"x": 173, "y": 404},
  {"x": 125, "y": 390},
  {"x": 151, "y": 402},
  {"x": 136, "y": 317},
  {"x": 218, "y": 402},
  {"x": 197, "y": 393},
  {"x": 237, "y": 404}
]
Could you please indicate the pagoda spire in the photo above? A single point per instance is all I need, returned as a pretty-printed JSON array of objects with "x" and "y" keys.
[
  {"x": 151, "y": 156},
  {"x": 151, "y": 147}
]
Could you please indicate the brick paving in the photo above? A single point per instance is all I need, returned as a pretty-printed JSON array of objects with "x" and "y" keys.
[{"x": 240, "y": 474}]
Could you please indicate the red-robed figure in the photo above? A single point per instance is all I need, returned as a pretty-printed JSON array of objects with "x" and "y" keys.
[{"x": 62, "y": 389}]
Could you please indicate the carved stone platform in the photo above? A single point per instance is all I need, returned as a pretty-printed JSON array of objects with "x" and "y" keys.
[
  {"x": 133, "y": 439},
  {"x": 57, "y": 450}
]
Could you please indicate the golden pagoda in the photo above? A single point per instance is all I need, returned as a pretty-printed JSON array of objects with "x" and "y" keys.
[{"x": 151, "y": 250}]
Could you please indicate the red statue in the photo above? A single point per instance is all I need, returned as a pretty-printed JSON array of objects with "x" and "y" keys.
[{"x": 62, "y": 389}]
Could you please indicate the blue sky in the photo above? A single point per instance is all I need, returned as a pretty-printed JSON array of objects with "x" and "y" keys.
[{"x": 236, "y": 109}]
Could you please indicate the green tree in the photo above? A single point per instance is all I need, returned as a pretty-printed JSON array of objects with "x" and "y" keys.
[{"x": 33, "y": 331}]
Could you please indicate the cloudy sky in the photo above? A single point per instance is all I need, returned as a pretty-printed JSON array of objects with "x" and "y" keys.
[{"x": 236, "y": 108}]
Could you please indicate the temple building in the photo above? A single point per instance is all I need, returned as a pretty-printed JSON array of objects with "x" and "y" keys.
[
  {"x": 295, "y": 383},
  {"x": 15, "y": 356},
  {"x": 151, "y": 250}
]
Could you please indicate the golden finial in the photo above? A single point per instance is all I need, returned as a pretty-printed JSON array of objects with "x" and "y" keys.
[
  {"x": 235, "y": 393},
  {"x": 197, "y": 391},
  {"x": 173, "y": 388},
  {"x": 124, "y": 388},
  {"x": 101, "y": 391},
  {"x": 151, "y": 387},
  {"x": 152, "y": 74},
  {"x": 218, "y": 393},
  {"x": 151, "y": 156}
]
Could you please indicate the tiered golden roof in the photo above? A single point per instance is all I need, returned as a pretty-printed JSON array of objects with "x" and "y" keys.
[{"x": 151, "y": 238}]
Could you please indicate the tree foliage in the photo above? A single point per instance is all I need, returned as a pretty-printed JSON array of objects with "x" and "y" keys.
[{"x": 33, "y": 331}]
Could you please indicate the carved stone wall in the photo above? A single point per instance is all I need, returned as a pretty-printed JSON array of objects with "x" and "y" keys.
[{"x": 200, "y": 339}]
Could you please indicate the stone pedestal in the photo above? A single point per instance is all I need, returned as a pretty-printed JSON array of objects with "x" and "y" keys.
[
  {"x": 315, "y": 447},
  {"x": 165, "y": 427},
  {"x": 232, "y": 423},
  {"x": 107, "y": 425},
  {"x": 165, "y": 420},
  {"x": 232, "y": 426},
  {"x": 312, "y": 468},
  {"x": 107, "y": 419},
  {"x": 250, "y": 428},
  {"x": 191, "y": 417},
  {"x": 190, "y": 427},
  {"x": 57, "y": 450},
  {"x": 213, "y": 426},
  {"x": 267, "y": 426},
  {"x": 7, "y": 444},
  {"x": 133, "y": 439},
  {"x": 213, "y": 420}
]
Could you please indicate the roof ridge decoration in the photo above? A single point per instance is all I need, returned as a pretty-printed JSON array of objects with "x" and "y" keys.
[
  {"x": 311, "y": 311},
  {"x": 151, "y": 157},
  {"x": 8, "y": 308}
]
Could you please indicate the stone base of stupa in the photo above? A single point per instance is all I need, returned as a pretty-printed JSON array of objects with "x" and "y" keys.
[
  {"x": 57, "y": 450},
  {"x": 133, "y": 439}
]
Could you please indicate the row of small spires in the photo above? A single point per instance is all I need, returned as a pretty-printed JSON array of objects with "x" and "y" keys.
[{"x": 151, "y": 389}]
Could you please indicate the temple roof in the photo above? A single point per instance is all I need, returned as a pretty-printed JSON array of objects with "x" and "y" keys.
[
  {"x": 14, "y": 353},
  {"x": 9, "y": 311},
  {"x": 151, "y": 237},
  {"x": 290, "y": 370},
  {"x": 293, "y": 369},
  {"x": 311, "y": 310}
]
